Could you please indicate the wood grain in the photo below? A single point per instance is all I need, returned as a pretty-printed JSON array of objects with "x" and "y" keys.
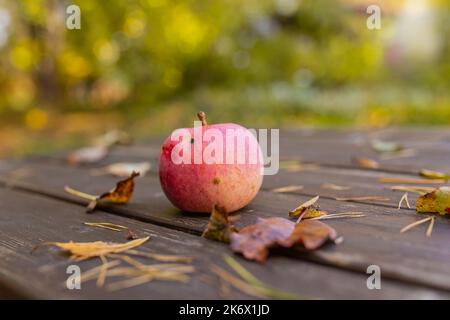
[{"x": 28, "y": 220}]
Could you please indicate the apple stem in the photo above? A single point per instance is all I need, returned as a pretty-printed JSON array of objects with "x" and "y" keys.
[{"x": 202, "y": 117}]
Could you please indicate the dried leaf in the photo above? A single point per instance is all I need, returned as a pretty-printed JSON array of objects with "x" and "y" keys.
[
  {"x": 434, "y": 175},
  {"x": 312, "y": 212},
  {"x": 408, "y": 180},
  {"x": 219, "y": 227},
  {"x": 113, "y": 137},
  {"x": 287, "y": 189},
  {"x": 86, "y": 250},
  {"x": 87, "y": 155},
  {"x": 303, "y": 207},
  {"x": 437, "y": 201},
  {"x": 123, "y": 169},
  {"x": 367, "y": 163},
  {"x": 386, "y": 146},
  {"x": 120, "y": 194},
  {"x": 131, "y": 235},
  {"x": 254, "y": 241},
  {"x": 332, "y": 186}
]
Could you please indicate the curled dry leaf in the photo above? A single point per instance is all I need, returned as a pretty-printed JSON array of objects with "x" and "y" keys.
[
  {"x": 120, "y": 194},
  {"x": 124, "y": 169},
  {"x": 219, "y": 227},
  {"x": 437, "y": 201},
  {"x": 304, "y": 207},
  {"x": 434, "y": 175},
  {"x": 113, "y": 137},
  {"x": 86, "y": 250},
  {"x": 254, "y": 241},
  {"x": 367, "y": 163},
  {"x": 87, "y": 155}
]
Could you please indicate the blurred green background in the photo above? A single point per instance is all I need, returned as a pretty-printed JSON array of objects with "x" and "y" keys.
[{"x": 147, "y": 66}]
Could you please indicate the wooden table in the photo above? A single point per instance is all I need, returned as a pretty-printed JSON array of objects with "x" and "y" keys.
[{"x": 34, "y": 209}]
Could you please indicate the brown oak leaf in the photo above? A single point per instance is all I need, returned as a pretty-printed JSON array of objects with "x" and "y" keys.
[{"x": 255, "y": 241}]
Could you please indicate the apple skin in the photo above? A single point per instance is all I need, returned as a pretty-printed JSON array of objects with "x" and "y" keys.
[{"x": 198, "y": 187}]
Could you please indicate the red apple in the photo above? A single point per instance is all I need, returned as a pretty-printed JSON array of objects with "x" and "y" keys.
[{"x": 218, "y": 164}]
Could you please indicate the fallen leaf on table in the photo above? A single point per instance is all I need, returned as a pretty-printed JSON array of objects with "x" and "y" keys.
[
  {"x": 332, "y": 186},
  {"x": 120, "y": 194},
  {"x": 287, "y": 189},
  {"x": 219, "y": 227},
  {"x": 408, "y": 180},
  {"x": 254, "y": 241},
  {"x": 87, "y": 155},
  {"x": 437, "y": 201},
  {"x": 86, "y": 250},
  {"x": 434, "y": 175},
  {"x": 367, "y": 163},
  {"x": 303, "y": 207},
  {"x": 123, "y": 169},
  {"x": 113, "y": 137},
  {"x": 386, "y": 146}
]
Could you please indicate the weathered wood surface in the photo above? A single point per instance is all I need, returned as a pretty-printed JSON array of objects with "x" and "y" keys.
[
  {"x": 31, "y": 219},
  {"x": 410, "y": 259}
]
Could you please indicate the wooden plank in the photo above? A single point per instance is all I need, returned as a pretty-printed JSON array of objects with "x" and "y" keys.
[
  {"x": 374, "y": 239},
  {"x": 335, "y": 183},
  {"x": 27, "y": 220},
  {"x": 334, "y": 148}
]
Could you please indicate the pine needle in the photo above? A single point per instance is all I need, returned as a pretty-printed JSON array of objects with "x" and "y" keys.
[
  {"x": 409, "y": 180},
  {"x": 161, "y": 257},
  {"x": 106, "y": 225},
  {"x": 415, "y": 224},
  {"x": 102, "y": 275},
  {"x": 93, "y": 273},
  {"x": 287, "y": 189},
  {"x": 430, "y": 227},
  {"x": 332, "y": 186},
  {"x": 86, "y": 250},
  {"x": 414, "y": 189},
  {"x": 250, "y": 284},
  {"x": 404, "y": 199},
  {"x": 80, "y": 194},
  {"x": 368, "y": 198}
]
